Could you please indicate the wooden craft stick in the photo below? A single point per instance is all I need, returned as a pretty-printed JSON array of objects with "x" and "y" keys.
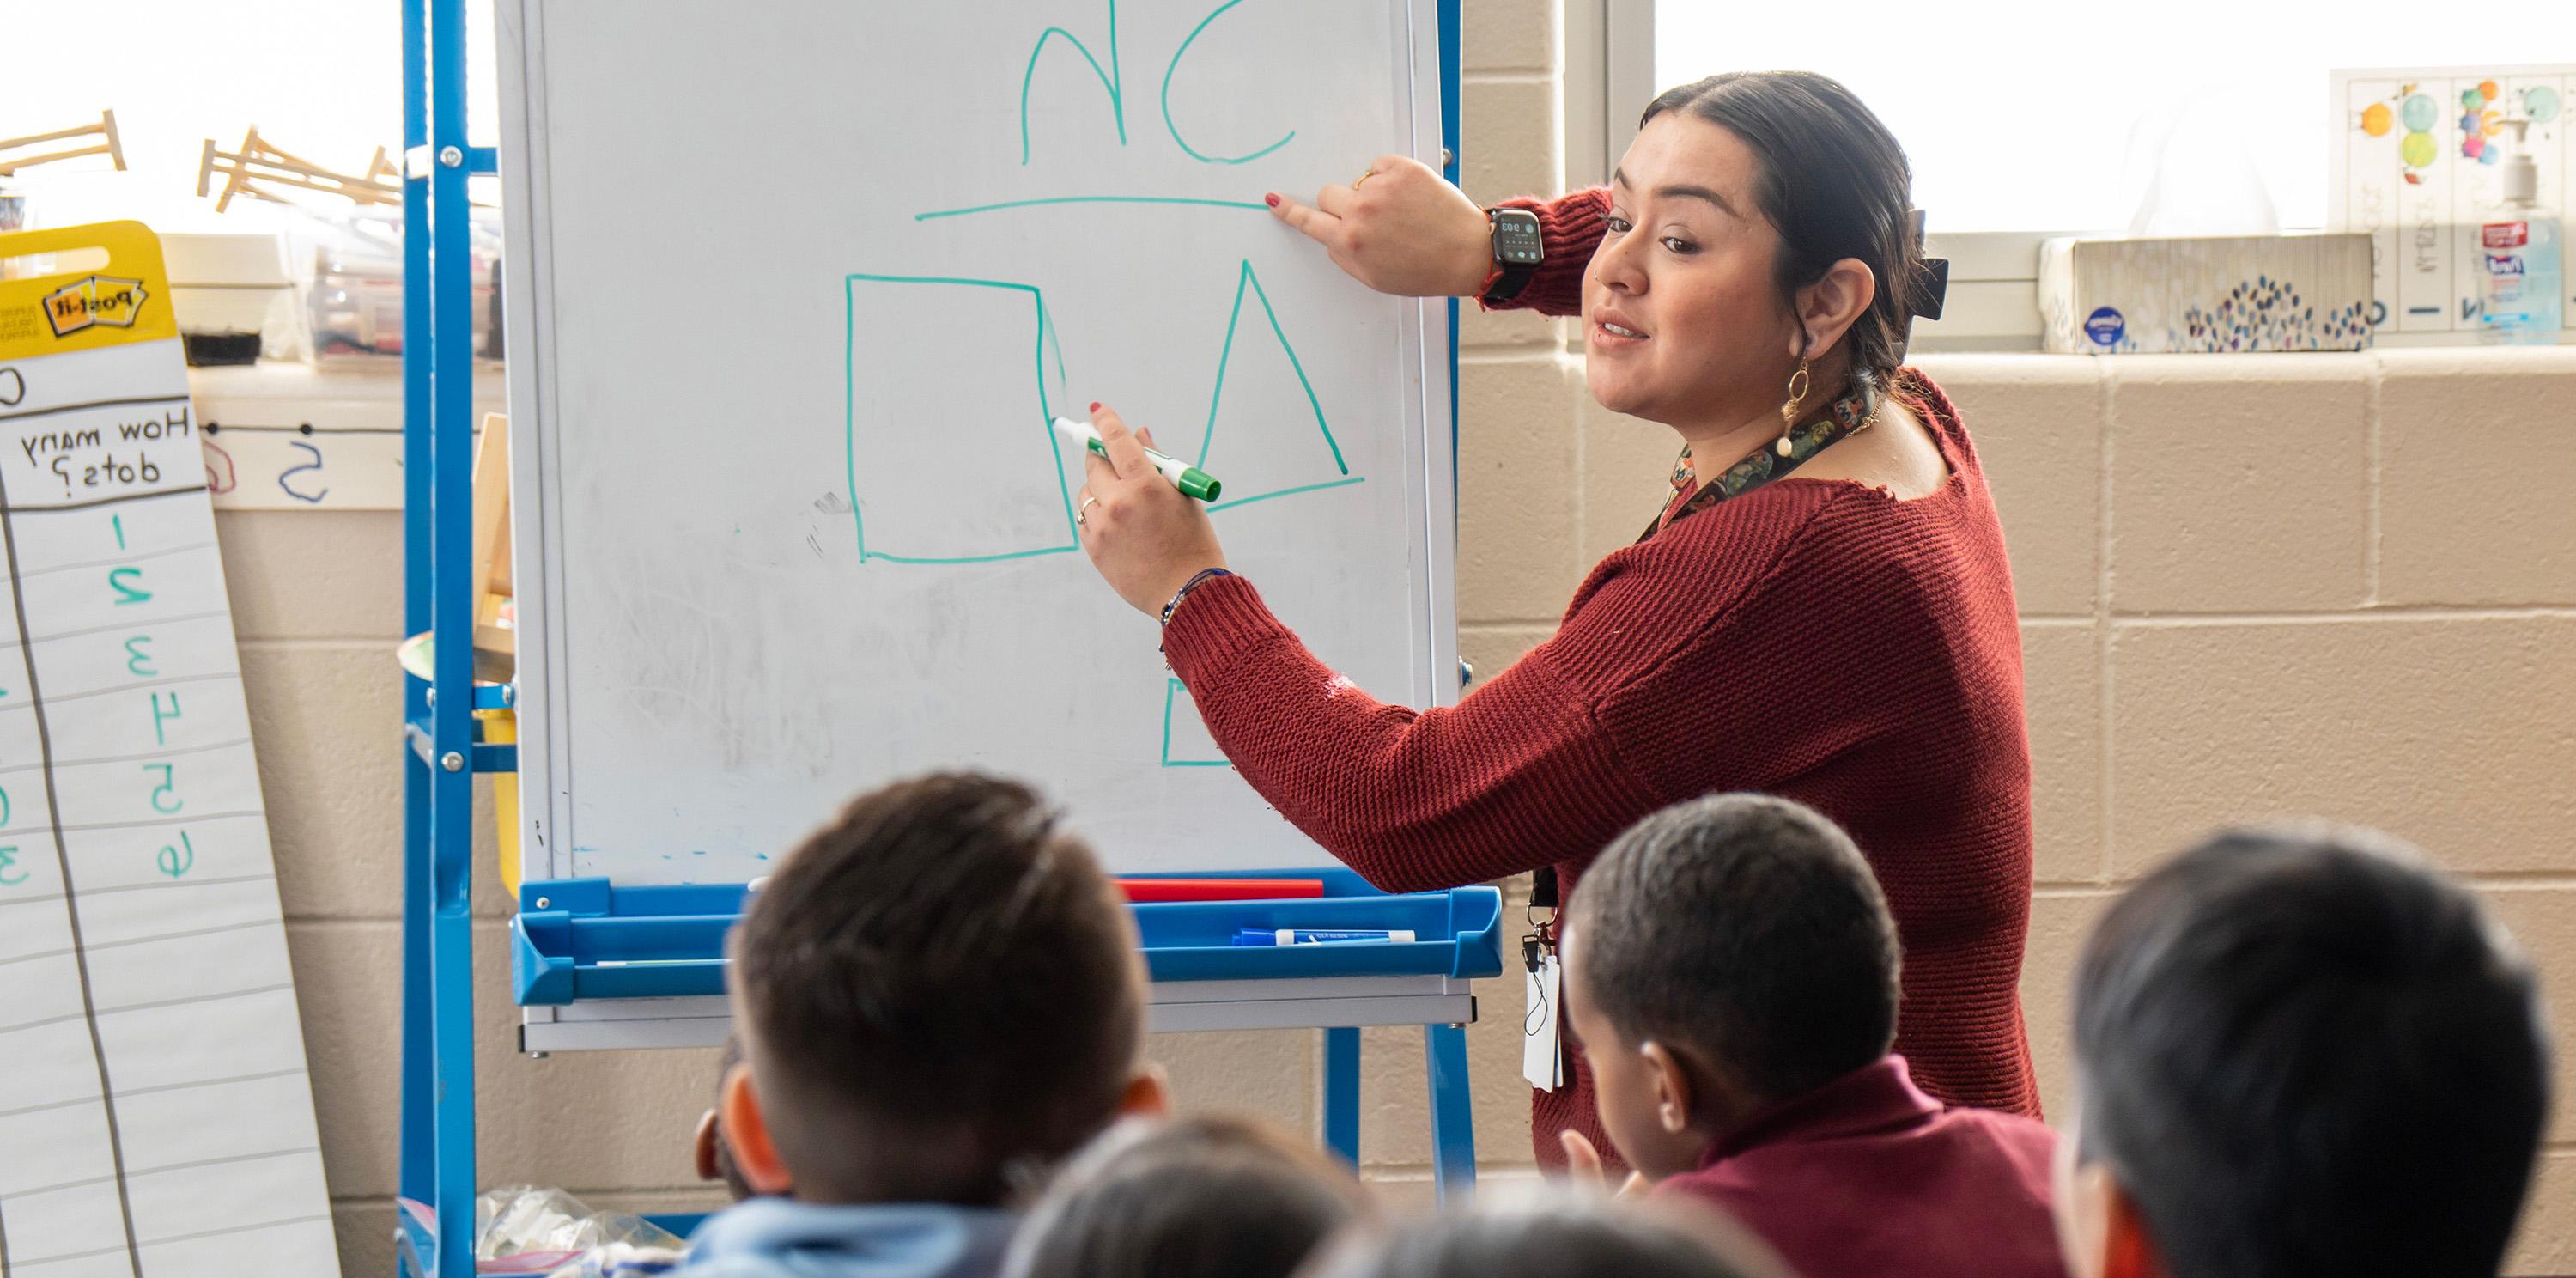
[{"x": 112, "y": 147}]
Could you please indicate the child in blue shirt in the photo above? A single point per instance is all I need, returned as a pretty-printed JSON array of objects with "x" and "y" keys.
[{"x": 938, "y": 996}]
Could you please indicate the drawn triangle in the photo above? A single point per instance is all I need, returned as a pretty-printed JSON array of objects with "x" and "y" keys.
[{"x": 1267, "y": 432}]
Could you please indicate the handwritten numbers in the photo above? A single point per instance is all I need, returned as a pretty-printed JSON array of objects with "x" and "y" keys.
[
  {"x": 117, "y": 522},
  {"x": 10, "y": 875},
  {"x": 178, "y": 858},
  {"x": 161, "y": 717},
  {"x": 166, "y": 790},
  {"x": 121, "y": 581},
  {"x": 313, "y": 498},
  {"x": 137, "y": 661}
]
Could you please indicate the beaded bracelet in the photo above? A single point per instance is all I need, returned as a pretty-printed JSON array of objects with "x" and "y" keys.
[{"x": 1205, "y": 575}]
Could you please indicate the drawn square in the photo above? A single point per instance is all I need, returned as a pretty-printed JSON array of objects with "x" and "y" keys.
[{"x": 954, "y": 470}]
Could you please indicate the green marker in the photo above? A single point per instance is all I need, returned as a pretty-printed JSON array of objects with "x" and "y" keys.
[{"x": 1192, "y": 481}]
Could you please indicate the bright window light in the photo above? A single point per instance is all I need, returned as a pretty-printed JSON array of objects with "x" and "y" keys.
[{"x": 2021, "y": 114}]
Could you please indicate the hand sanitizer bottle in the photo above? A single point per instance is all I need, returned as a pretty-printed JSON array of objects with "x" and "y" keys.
[{"x": 2519, "y": 291}]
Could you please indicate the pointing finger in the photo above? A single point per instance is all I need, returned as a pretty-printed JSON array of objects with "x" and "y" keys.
[{"x": 1314, "y": 223}]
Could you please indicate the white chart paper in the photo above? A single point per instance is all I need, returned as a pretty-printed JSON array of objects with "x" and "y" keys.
[{"x": 155, "y": 1116}]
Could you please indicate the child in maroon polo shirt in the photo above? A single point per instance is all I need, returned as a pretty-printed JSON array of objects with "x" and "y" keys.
[{"x": 1731, "y": 970}]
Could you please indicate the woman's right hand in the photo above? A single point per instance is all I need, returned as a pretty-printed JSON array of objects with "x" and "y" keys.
[{"x": 1404, "y": 230}]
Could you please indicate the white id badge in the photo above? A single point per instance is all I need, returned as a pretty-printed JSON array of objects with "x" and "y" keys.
[{"x": 1542, "y": 1054}]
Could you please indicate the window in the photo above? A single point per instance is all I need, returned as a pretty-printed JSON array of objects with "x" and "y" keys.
[
  {"x": 2021, "y": 115},
  {"x": 321, "y": 78}
]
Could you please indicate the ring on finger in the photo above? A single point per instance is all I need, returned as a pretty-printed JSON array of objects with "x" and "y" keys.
[
  {"x": 1082, "y": 517},
  {"x": 1364, "y": 176}
]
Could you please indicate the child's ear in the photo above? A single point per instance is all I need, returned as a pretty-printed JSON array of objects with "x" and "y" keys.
[
  {"x": 747, "y": 1132},
  {"x": 703, "y": 1145},
  {"x": 1148, "y": 1094},
  {"x": 1672, "y": 1084},
  {"x": 2128, "y": 1251}
]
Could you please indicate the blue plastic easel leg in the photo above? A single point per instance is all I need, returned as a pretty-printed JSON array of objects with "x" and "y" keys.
[
  {"x": 1342, "y": 1093},
  {"x": 1453, "y": 1120}
]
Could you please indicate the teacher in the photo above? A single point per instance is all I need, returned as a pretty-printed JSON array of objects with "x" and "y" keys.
[{"x": 1843, "y": 636}]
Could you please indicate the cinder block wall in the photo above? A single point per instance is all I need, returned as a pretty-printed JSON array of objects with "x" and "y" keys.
[{"x": 2250, "y": 587}]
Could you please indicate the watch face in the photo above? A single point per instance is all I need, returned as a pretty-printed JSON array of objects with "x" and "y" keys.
[{"x": 1516, "y": 238}]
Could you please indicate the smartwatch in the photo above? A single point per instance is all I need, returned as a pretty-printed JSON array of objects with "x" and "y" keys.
[{"x": 1519, "y": 247}]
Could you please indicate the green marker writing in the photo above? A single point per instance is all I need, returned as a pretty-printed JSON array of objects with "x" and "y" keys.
[{"x": 1192, "y": 481}]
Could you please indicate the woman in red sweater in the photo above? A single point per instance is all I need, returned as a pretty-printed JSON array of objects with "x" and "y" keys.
[{"x": 1843, "y": 636}]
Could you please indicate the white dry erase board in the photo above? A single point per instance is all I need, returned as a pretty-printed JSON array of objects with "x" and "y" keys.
[{"x": 803, "y": 284}]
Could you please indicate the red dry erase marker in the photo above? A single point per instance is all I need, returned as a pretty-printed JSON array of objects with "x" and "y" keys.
[{"x": 1156, "y": 890}]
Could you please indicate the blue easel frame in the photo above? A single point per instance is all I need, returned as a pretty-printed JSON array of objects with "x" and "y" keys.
[{"x": 441, "y": 753}]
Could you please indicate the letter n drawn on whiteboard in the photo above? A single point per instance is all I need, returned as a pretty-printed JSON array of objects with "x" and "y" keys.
[{"x": 1109, "y": 79}]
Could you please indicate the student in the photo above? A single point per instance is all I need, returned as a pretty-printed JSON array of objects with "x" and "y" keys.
[
  {"x": 1586, "y": 1238},
  {"x": 1188, "y": 1198},
  {"x": 714, "y": 1160},
  {"x": 938, "y": 997},
  {"x": 2301, "y": 1051},
  {"x": 1731, "y": 969}
]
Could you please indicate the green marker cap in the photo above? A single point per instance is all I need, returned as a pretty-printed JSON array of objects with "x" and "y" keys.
[{"x": 1200, "y": 484}]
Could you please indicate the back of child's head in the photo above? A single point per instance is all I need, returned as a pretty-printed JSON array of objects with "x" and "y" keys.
[
  {"x": 1188, "y": 1198},
  {"x": 1748, "y": 929},
  {"x": 939, "y": 993},
  {"x": 2302, "y": 1051},
  {"x": 1578, "y": 1237}
]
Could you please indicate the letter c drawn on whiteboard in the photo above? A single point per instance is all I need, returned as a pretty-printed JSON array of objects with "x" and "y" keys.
[{"x": 309, "y": 499}]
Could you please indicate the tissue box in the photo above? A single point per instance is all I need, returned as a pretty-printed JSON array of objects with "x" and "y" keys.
[{"x": 2106, "y": 296}]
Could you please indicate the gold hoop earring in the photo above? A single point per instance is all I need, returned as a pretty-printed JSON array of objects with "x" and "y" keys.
[{"x": 1798, "y": 382}]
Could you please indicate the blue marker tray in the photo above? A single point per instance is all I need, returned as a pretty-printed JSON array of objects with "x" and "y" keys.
[{"x": 579, "y": 939}]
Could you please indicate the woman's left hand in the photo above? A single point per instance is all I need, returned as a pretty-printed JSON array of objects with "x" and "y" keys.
[{"x": 1146, "y": 539}]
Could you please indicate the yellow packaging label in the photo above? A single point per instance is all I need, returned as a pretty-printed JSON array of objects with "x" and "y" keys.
[{"x": 54, "y": 311}]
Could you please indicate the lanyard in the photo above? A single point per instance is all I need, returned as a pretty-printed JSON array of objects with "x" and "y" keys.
[{"x": 1848, "y": 415}]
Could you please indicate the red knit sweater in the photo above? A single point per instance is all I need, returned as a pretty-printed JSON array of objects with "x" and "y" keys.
[{"x": 1816, "y": 639}]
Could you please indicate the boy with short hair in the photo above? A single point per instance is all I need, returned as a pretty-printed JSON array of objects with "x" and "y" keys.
[
  {"x": 938, "y": 995},
  {"x": 2301, "y": 1051},
  {"x": 1731, "y": 968}
]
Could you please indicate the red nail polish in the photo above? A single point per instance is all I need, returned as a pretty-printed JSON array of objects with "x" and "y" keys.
[
  {"x": 1271, "y": 200},
  {"x": 1095, "y": 405}
]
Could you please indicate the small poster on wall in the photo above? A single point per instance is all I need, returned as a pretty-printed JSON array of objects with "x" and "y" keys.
[{"x": 2419, "y": 158}]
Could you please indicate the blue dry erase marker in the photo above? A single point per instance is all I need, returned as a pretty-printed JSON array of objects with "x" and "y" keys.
[
  {"x": 1316, "y": 936},
  {"x": 1188, "y": 478}
]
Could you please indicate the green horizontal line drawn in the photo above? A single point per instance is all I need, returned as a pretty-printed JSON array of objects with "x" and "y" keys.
[
  {"x": 1288, "y": 492},
  {"x": 1196, "y": 763},
  {"x": 942, "y": 279},
  {"x": 1190, "y": 201},
  {"x": 875, "y": 555}
]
